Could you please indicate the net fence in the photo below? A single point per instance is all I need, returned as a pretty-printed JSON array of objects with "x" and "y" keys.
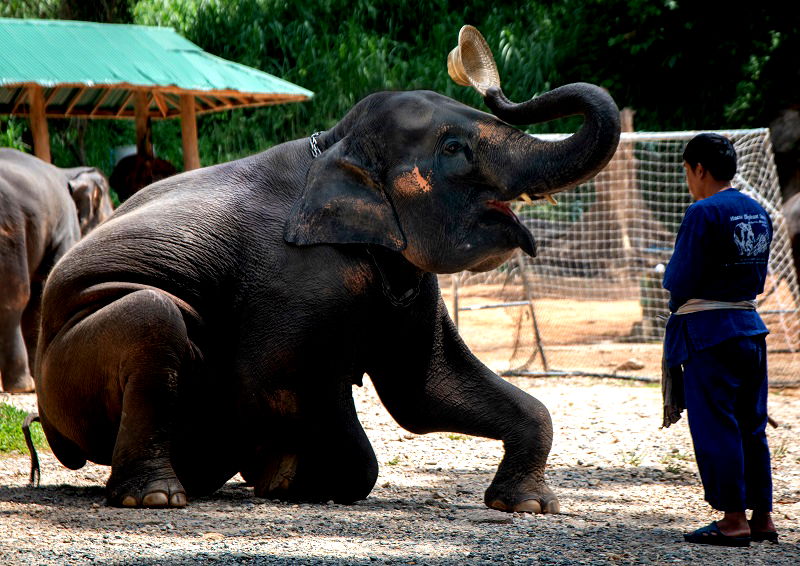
[{"x": 591, "y": 302}]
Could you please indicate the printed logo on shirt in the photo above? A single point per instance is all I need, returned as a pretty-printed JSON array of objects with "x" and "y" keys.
[{"x": 745, "y": 238}]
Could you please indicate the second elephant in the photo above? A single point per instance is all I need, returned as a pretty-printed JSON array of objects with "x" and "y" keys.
[{"x": 44, "y": 211}]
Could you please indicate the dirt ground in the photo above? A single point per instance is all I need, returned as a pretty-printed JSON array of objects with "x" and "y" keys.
[
  {"x": 627, "y": 490},
  {"x": 597, "y": 336}
]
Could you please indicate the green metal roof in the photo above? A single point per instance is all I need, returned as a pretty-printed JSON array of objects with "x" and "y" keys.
[{"x": 93, "y": 70}]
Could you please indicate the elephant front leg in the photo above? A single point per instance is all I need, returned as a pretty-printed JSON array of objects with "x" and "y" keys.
[
  {"x": 453, "y": 391},
  {"x": 482, "y": 404}
]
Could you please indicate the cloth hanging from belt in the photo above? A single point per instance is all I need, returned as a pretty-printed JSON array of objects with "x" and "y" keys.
[{"x": 672, "y": 376}]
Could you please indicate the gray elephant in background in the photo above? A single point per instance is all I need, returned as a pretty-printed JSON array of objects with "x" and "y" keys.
[
  {"x": 44, "y": 211},
  {"x": 791, "y": 212}
]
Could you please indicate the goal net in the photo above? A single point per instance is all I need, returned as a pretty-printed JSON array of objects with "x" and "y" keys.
[{"x": 591, "y": 302}]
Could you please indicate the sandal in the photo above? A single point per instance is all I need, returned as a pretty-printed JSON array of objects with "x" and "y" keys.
[
  {"x": 710, "y": 534},
  {"x": 761, "y": 536}
]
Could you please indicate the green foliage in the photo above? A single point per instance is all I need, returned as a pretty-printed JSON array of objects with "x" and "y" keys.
[
  {"x": 11, "y": 438},
  {"x": 683, "y": 65},
  {"x": 30, "y": 8},
  {"x": 12, "y": 130},
  {"x": 679, "y": 64},
  {"x": 341, "y": 50},
  {"x": 92, "y": 10}
]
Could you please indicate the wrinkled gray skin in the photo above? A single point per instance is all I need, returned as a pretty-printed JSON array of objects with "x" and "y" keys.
[
  {"x": 217, "y": 322},
  {"x": 791, "y": 212},
  {"x": 44, "y": 210}
]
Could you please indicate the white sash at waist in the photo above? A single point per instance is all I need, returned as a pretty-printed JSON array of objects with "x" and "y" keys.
[{"x": 697, "y": 305}]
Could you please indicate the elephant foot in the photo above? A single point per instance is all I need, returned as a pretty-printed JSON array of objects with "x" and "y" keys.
[
  {"x": 277, "y": 476},
  {"x": 158, "y": 489},
  {"x": 19, "y": 384},
  {"x": 541, "y": 500}
]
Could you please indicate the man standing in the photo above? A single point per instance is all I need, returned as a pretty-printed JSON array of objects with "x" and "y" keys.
[{"x": 716, "y": 271}]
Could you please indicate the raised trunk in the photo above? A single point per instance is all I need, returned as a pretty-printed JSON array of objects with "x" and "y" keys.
[{"x": 541, "y": 167}]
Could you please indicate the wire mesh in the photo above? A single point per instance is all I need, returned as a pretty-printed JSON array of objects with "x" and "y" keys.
[{"x": 591, "y": 302}]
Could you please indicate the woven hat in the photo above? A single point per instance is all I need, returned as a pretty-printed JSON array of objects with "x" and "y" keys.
[{"x": 471, "y": 62}]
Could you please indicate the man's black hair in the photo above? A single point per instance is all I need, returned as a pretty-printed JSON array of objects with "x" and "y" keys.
[{"x": 715, "y": 152}]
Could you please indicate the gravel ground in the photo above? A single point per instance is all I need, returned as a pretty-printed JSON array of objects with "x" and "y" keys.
[{"x": 627, "y": 489}]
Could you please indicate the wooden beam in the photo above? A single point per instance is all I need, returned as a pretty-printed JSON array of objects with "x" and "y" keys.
[
  {"x": 75, "y": 100},
  {"x": 162, "y": 105},
  {"x": 173, "y": 100},
  {"x": 51, "y": 96},
  {"x": 125, "y": 103},
  {"x": 20, "y": 96},
  {"x": 144, "y": 135},
  {"x": 41, "y": 137},
  {"x": 102, "y": 99},
  {"x": 208, "y": 101},
  {"x": 191, "y": 154}
]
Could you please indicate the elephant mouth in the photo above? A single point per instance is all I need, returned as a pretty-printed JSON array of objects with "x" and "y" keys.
[
  {"x": 501, "y": 210},
  {"x": 502, "y": 207}
]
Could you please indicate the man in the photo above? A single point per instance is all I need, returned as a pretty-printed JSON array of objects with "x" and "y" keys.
[{"x": 716, "y": 271}]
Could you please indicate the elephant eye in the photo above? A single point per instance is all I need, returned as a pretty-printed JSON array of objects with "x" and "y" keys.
[{"x": 452, "y": 147}]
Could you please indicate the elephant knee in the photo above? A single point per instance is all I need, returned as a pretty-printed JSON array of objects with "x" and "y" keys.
[{"x": 533, "y": 423}]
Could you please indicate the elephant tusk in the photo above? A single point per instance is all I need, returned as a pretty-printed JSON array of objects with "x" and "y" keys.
[{"x": 551, "y": 199}]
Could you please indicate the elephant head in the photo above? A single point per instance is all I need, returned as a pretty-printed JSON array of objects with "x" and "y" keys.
[
  {"x": 90, "y": 191},
  {"x": 432, "y": 179}
]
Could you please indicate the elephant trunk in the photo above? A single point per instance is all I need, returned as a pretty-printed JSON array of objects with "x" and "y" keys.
[{"x": 544, "y": 167}]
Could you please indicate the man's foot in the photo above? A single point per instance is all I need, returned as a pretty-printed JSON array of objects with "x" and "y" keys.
[
  {"x": 711, "y": 534},
  {"x": 760, "y": 535},
  {"x": 761, "y": 527}
]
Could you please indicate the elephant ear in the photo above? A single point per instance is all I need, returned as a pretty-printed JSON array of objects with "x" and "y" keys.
[{"x": 342, "y": 203}]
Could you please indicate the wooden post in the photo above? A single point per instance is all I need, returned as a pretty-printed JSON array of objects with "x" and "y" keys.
[
  {"x": 625, "y": 186},
  {"x": 41, "y": 137},
  {"x": 144, "y": 136},
  {"x": 191, "y": 154}
]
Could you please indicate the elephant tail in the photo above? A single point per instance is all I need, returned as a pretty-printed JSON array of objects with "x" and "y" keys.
[{"x": 36, "y": 475}]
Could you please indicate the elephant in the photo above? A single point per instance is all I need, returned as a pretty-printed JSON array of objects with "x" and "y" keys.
[
  {"x": 791, "y": 212},
  {"x": 135, "y": 172},
  {"x": 44, "y": 211},
  {"x": 218, "y": 322}
]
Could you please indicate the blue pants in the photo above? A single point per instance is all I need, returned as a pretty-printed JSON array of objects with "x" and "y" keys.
[{"x": 726, "y": 402}]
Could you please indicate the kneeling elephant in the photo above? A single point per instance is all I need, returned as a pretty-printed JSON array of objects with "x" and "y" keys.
[{"x": 217, "y": 322}]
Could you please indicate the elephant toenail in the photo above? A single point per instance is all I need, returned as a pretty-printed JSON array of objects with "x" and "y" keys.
[
  {"x": 155, "y": 499},
  {"x": 499, "y": 505},
  {"x": 529, "y": 506},
  {"x": 553, "y": 507},
  {"x": 129, "y": 501},
  {"x": 178, "y": 500}
]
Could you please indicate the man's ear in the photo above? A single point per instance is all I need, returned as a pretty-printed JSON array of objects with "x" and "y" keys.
[
  {"x": 700, "y": 171},
  {"x": 342, "y": 203}
]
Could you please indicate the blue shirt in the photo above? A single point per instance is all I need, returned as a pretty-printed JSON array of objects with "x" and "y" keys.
[{"x": 721, "y": 253}]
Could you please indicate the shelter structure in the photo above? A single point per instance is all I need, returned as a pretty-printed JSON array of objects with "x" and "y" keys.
[{"x": 65, "y": 69}]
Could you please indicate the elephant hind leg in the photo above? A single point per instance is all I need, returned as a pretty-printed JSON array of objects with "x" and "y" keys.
[
  {"x": 326, "y": 456},
  {"x": 14, "y": 369},
  {"x": 67, "y": 452},
  {"x": 14, "y": 362},
  {"x": 110, "y": 384}
]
